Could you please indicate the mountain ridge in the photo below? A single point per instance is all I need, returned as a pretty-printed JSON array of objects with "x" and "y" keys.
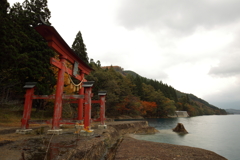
[
  {"x": 233, "y": 111},
  {"x": 203, "y": 106}
]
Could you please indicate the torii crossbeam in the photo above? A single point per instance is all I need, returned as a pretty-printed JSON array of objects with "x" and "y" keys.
[{"x": 66, "y": 55}]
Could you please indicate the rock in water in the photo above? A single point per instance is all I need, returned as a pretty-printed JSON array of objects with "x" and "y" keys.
[{"x": 180, "y": 128}]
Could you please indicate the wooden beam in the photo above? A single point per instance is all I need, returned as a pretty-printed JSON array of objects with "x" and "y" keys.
[
  {"x": 59, "y": 65},
  {"x": 53, "y": 96}
]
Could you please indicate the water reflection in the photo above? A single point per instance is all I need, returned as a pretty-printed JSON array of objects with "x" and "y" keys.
[
  {"x": 181, "y": 134},
  {"x": 163, "y": 123}
]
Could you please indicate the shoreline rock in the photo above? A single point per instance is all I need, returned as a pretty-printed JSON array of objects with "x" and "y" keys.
[
  {"x": 147, "y": 130},
  {"x": 105, "y": 144}
]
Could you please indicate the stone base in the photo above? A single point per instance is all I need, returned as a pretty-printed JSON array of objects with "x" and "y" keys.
[
  {"x": 79, "y": 126},
  {"x": 23, "y": 131},
  {"x": 85, "y": 133},
  {"x": 55, "y": 131},
  {"x": 78, "y": 129},
  {"x": 102, "y": 126},
  {"x": 80, "y": 121}
]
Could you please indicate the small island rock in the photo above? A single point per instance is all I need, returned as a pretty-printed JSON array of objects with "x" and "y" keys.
[{"x": 180, "y": 128}]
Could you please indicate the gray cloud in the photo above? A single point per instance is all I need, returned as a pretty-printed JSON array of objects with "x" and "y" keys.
[
  {"x": 183, "y": 16},
  {"x": 229, "y": 98},
  {"x": 227, "y": 67},
  {"x": 227, "y": 104},
  {"x": 229, "y": 61}
]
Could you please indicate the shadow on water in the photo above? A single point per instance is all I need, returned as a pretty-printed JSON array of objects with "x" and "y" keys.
[
  {"x": 181, "y": 134},
  {"x": 166, "y": 123}
]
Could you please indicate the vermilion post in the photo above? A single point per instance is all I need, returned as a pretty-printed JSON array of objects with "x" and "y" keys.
[
  {"x": 87, "y": 115},
  {"x": 58, "y": 96},
  {"x": 88, "y": 106},
  {"x": 102, "y": 95},
  {"x": 27, "y": 108},
  {"x": 80, "y": 102},
  {"x": 102, "y": 109}
]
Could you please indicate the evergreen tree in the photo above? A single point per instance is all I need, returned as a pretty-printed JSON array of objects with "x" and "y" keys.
[
  {"x": 8, "y": 52},
  {"x": 34, "y": 48},
  {"x": 24, "y": 53},
  {"x": 34, "y": 9},
  {"x": 138, "y": 89},
  {"x": 79, "y": 48}
]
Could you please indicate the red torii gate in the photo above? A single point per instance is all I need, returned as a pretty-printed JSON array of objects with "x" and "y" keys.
[
  {"x": 56, "y": 42},
  {"x": 102, "y": 95}
]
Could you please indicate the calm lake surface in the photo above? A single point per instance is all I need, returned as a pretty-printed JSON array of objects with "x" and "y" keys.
[{"x": 220, "y": 134}]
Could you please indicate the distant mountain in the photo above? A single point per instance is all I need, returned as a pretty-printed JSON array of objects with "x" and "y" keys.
[
  {"x": 233, "y": 111},
  {"x": 195, "y": 99},
  {"x": 200, "y": 102}
]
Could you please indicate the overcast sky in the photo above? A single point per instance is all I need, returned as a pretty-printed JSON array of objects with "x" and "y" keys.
[{"x": 192, "y": 45}]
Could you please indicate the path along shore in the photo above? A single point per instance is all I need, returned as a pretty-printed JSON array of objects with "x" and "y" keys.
[{"x": 111, "y": 143}]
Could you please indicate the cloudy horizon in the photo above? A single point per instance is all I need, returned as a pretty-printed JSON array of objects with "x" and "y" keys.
[{"x": 190, "y": 45}]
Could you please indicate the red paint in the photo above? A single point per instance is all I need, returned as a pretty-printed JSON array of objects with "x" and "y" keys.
[
  {"x": 58, "y": 98},
  {"x": 96, "y": 101},
  {"x": 77, "y": 101},
  {"x": 58, "y": 64},
  {"x": 102, "y": 109},
  {"x": 87, "y": 115},
  {"x": 27, "y": 108},
  {"x": 56, "y": 42},
  {"x": 80, "y": 102}
]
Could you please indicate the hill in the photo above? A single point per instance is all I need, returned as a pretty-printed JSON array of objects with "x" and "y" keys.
[
  {"x": 233, "y": 111},
  {"x": 202, "y": 104},
  {"x": 195, "y": 99},
  {"x": 176, "y": 100},
  {"x": 128, "y": 72},
  {"x": 121, "y": 70}
]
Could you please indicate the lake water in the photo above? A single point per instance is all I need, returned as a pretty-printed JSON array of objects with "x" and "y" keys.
[{"x": 220, "y": 134}]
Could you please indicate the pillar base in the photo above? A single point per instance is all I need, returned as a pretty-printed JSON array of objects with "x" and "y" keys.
[
  {"x": 79, "y": 126},
  {"x": 102, "y": 126},
  {"x": 23, "y": 131},
  {"x": 86, "y": 133},
  {"x": 55, "y": 131},
  {"x": 80, "y": 122}
]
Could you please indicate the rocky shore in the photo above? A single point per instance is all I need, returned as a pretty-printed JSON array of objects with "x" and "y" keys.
[{"x": 105, "y": 144}]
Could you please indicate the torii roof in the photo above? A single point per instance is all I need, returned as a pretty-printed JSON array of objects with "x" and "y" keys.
[{"x": 55, "y": 41}]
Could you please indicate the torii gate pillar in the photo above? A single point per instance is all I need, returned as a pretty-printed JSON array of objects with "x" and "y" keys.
[
  {"x": 30, "y": 86},
  {"x": 80, "y": 103},
  {"x": 58, "y": 98},
  {"x": 102, "y": 95},
  {"x": 87, "y": 108}
]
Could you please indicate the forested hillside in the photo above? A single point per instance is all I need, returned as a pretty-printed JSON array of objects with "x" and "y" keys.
[{"x": 133, "y": 95}]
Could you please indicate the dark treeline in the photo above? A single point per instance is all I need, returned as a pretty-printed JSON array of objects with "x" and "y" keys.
[{"x": 24, "y": 54}]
